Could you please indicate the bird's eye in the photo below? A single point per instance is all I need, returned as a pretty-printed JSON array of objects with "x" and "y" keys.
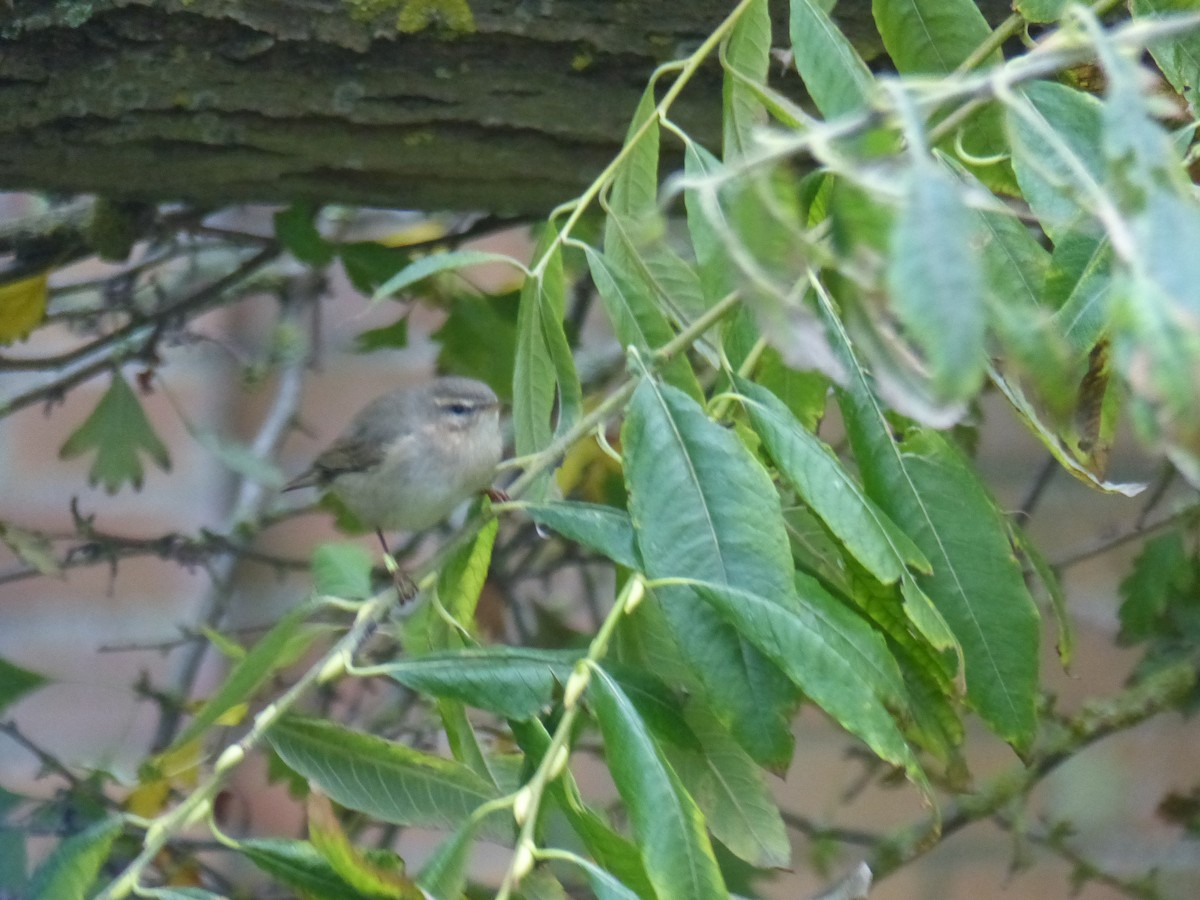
[{"x": 458, "y": 409}]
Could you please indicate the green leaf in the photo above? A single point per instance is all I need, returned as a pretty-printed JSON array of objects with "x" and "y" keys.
[
  {"x": 543, "y": 368},
  {"x": 1055, "y": 132},
  {"x": 32, "y": 547},
  {"x": 72, "y": 867},
  {"x": 634, "y": 191},
  {"x": 931, "y": 492},
  {"x": 747, "y": 59},
  {"x": 605, "y": 529},
  {"x": 707, "y": 236},
  {"x": 636, "y": 320},
  {"x": 1054, "y": 443},
  {"x": 476, "y": 322},
  {"x": 702, "y": 507},
  {"x": 342, "y": 570},
  {"x": 445, "y": 872},
  {"x": 1041, "y": 10},
  {"x": 932, "y": 36},
  {"x": 513, "y": 682},
  {"x": 279, "y": 647},
  {"x": 437, "y": 263},
  {"x": 16, "y": 682},
  {"x": 668, "y": 825},
  {"x": 238, "y": 457},
  {"x": 1082, "y": 267},
  {"x": 13, "y": 862},
  {"x": 369, "y": 264},
  {"x": 119, "y": 432},
  {"x": 837, "y": 79},
  {"x": 296, "y": 229},
  {"x": 1162, "y": 573},
  {"x": 386, "y": 780},
  {"x": 936, "y": 282},
  {"x": 611, "y": 850},
  {"x": 378, "y": 874},
  {"x": 833, "y": 655},
  {"x": 603, "y": 884},
  {"x": 728, "y": 787},
  {"x": 180, "y": 894},
  {"x": 1179, "y": 55},
  {"x": 296, "y": 864},
  {"x": 389, "y": 337},
  {"x": 461, "y": 579},
  {"x": 822, "y": 482}
]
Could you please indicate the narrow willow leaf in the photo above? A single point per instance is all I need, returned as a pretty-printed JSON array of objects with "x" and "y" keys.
[
  {"x": 436, "y": 263},
  {"x": 666, "y": 821},
  {"x": 708, "y": 236},
  {"x": 1056, "y": 175},
  {"x": 934, "y": 495},
  {"x": 386, "y": 780},
  {"x": 1085, "y": 314},
  {"x": 821, "y": 481},
  {"x": 605, "y": 529},
  {"x": 702, "y": 507},
  {"x": 513, "y": 682},
  {"x": 929, "y": 35},
  {"x": 461, "y": 579},
  {"x": 613, "y": 851},
  {"x": 1178, "y": 55},
  {"x": 604, "y": 885},
  {"x": 1054, "y": 590},
  {"x": 543, "y": 368},
  {"x": 1025, "y": 411},
  {"x": 636, "y": 319},
  {"x": 461, "y": 738},
  {"x": 837, "y": 79},
  {"x": 634, "y": 191},
  {"x": 1041, "y": 10},
  {"x": 445, "y": 872},
  {"x": 728, "y": 787},
  {"x": 747, "y": 59},
  {"x": 279, "y": 647},
  {"x": 342, "y": 570},
  {"x": 936, "y": 282},
  {"x": 373, "y": 877},
  {"x": 296, "y": 864},
  {"x": 833, "y": 655},
  {"x": 71, "y": 868}
]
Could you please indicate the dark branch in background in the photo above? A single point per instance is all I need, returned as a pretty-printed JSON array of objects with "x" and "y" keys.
[
  {"x": 48, "y": 761},
  {"x": 1137, "y": 533},
  {"x": 1163, "y": 691},
  {"x": 97, "y": 548},
  {"x": 181, "y": 311}
]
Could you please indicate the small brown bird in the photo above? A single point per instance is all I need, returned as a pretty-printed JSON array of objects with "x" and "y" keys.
[{"x": 411, "y": 456}]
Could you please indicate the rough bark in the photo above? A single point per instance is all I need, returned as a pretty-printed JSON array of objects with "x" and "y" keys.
[{"x": 214, "y": 101}]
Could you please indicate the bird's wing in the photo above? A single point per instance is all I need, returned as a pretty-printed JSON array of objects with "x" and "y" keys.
[{"x": 350, "y": 454}]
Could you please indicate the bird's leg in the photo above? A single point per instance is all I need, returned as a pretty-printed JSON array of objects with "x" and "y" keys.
[
  {"x": 404, "y": 585},
  {"x": 496, "y": 495}
]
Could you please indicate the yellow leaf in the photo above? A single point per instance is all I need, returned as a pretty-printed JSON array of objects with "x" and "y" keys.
[
  {"x": 22, "y": 307},
  {"x": 233, "y": 715}
]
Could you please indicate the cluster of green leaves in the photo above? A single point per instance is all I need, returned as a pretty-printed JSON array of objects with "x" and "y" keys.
[
  {"x": 898, "y": 255},
  {"x": 915, "y": 241}
]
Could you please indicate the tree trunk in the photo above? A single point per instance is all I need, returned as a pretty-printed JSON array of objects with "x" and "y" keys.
[{"x": 218, "y": 101}]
